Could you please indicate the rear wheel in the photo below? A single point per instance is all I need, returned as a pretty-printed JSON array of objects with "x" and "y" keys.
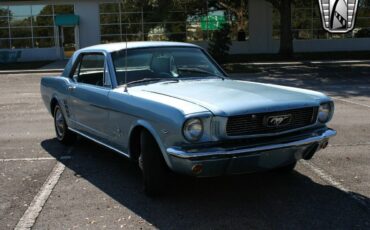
[
  {"x": 153, "y": 166},
  {"x": 63, "y": 134}
]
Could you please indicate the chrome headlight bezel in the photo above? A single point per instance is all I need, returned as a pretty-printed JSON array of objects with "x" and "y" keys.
[
  {"x": 325, "y": 112},
  {"x": 193, "y": 129}
]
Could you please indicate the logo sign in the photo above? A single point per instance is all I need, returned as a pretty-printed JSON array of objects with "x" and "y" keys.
[
  {"x": 338, "y": 16},
  {"x": 278, "y": 121}
]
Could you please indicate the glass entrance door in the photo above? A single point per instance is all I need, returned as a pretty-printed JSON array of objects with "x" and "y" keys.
[{"x": 68, "y": 40}]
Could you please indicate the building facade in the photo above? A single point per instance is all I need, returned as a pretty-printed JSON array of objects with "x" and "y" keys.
[{"x": 51, "y": 29}]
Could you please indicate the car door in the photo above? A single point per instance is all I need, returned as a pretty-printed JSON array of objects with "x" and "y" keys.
[{"x": 89, "y": 95}]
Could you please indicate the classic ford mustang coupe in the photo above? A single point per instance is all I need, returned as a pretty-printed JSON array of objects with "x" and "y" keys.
[{"x": 170, "y": 107}]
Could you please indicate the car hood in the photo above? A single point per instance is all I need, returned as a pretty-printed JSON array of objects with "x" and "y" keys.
[{"x": 231, "y": 97}]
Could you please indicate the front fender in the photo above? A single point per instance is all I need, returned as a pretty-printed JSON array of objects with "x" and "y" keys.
[{"x": 157, "y": 136}]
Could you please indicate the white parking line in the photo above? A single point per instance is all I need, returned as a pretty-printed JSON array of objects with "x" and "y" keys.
[
  {"x": 351, "y": 102},
  {"x": 28, "y": 159},
  {"x": 29, "y": 217},
  {"x": 332, "y": 181}
]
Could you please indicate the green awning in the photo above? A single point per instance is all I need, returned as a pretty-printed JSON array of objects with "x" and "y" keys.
[{"x": 67, "y": 20}]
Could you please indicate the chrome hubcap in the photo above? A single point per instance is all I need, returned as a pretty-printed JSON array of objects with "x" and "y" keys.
[
  {"x": 59, "y": 123},
  {"x": 141, "y": 162}
]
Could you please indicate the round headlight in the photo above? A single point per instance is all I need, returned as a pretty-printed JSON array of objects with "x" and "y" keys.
[
  {"x": 325, "y": 111},
  {"x": 193, "y": 129}
]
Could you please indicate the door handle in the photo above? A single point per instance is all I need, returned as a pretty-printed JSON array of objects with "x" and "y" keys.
[{"x": 71, "y": 88}]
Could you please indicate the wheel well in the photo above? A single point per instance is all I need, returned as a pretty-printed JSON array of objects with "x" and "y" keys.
[
  {"x": 135, "y": 143},
  {"x": 53, "y": 103}
]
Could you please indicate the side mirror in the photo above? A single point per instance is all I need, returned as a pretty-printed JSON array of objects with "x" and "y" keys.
[{"x": 75, "y": 78}]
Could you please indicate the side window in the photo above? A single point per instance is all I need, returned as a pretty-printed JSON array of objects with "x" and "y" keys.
[{"x": 90, "y": 69}]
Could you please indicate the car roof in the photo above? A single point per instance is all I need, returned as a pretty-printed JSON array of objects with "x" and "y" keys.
[{"x": 113, "y": 47}]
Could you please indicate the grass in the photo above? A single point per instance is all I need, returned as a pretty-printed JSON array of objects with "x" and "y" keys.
[{"x": 23, "y": 65}]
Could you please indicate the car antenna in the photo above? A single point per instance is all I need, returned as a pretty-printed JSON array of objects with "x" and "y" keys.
[{"x": 126, "y": 61}]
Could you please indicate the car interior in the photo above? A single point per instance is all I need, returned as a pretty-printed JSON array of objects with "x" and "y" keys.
[{"x": 160, "y": 67}]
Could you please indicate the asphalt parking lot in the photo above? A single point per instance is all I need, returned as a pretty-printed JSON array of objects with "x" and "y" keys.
[{"x": 93, "y": 188}]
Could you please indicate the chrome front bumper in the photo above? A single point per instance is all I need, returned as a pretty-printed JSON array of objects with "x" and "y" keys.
[{"x": 218, "y": 161}]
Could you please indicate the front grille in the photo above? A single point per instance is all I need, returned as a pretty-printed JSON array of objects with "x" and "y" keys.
[{"x": 255, "y": 124}]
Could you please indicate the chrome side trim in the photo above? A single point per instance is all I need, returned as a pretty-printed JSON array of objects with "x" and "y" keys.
[
  {"x": 99, "y": 142},
  {"x": 216, "y": 152}
]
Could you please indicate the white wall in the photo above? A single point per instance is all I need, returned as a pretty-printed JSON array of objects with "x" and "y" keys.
[
  {"x": 37, "y": 54},
  {"x": 260, "y": 28},
  {"x": 89, "y": 22}
]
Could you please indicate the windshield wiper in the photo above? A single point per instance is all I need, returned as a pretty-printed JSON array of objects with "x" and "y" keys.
[
  {"x": 196, "y": 70},
  {"x": 148, "y": 80}
]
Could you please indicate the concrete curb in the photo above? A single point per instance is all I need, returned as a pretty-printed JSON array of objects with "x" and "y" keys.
[{"x": 31, "y": 71}]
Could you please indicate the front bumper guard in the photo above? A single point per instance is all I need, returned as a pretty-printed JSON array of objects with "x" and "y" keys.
[
  {"x": 209, "y": 162},
  {"x": 319, "y": 137}
]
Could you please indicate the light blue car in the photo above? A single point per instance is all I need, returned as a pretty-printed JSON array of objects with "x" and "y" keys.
[{"x": 170, "y": 107}]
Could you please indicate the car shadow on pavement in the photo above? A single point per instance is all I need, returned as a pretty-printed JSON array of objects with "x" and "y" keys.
[{"x": 256, "y": 201}]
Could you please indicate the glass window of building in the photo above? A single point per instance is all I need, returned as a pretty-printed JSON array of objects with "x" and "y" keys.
[
  {"x": 192, "y": 20},
  {"x": 307, "y": 23},
  {"x": 29, "y": 26}
]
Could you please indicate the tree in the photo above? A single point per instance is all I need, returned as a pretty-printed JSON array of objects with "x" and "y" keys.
[
  {"x": 286, "y": 38},
  {"x": 219, "y": 44},
  {"x": 239, "y": 9}
]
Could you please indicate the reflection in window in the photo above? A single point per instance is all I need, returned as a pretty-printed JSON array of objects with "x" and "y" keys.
[
  {"x": 4, "y": 22},
  {"x": 43, "y": 31},
  {"x": 4, "y": 32},
  {"x": 43, "y": 21},
  {"x": 21, "y": 32},
  {"x": 20, "y": 21},
  {"x": 110, "y": 38},
  {"x": 44, "y": 42},
  {"x": 38, "y": 10},
  {"x": 4, "y": 43},
  {"x": 4, "y": 11},
  {"x": 63, "y": 9},
  {"x": 27, "y": 26},
  {"x": 192, "y": 20},
  {"x": 20, "y": 10},
  {"x": 21, "y": 43},
  {"x": 307, "y": 23}
]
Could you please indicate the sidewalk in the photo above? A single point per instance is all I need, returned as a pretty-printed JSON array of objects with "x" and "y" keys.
[
  {"x": 57, "y": 65},
  {"x": 54, "y": 67}
]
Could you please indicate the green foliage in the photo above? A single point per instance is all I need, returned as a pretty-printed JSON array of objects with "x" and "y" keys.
[{"x": 219, "y": 44}]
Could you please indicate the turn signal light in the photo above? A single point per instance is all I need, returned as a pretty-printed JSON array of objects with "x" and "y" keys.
[{"x": 197, "y": 169}]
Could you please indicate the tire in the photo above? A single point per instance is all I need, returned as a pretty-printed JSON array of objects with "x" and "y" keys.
[
  {"x": 64, "y": 135},
  {"x": 287, "y": 168},
  {"x": 153, "y": 166}
]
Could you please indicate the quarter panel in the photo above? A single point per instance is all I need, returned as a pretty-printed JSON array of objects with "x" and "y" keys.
[{"x": 57, "y": 87}]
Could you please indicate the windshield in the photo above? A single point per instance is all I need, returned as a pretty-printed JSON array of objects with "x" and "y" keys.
[{"x": 167, "y": 63}]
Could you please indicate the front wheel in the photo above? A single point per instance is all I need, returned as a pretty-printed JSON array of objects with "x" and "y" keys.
[
  {"x": 63, "y": 134},
  {"x": 153, "y": 166}
]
